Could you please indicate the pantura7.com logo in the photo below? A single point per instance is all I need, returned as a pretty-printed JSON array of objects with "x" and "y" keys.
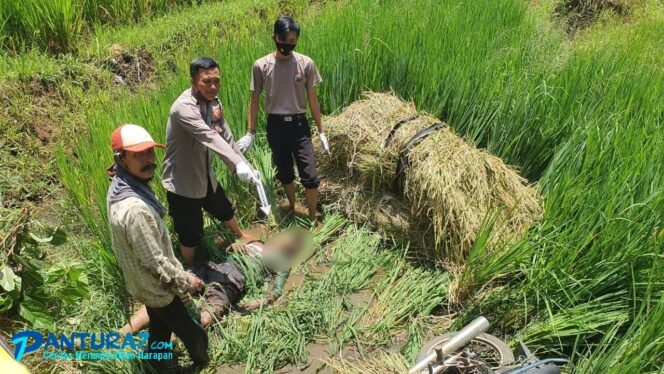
[{"x": 91, "y": 346}]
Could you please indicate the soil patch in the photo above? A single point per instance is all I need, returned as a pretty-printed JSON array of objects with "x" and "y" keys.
[
  {"x": 131, "y": 67},
  {"x": 293, "y": 282},
  {"x": 317, "y": 352},
  {"x": 580, "y": 14},
  {"x": 360, "y": 299}
]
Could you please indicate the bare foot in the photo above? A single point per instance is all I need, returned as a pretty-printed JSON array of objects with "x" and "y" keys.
[
  {"x": 220, "y": 242},
  {"x": 286, "y": 207},
  {"x": 206, "y": 319},
  {"x": 316, "y": 221},
  {"x": 245, "y": 238},
  {"x": 300, "y": 210},
  {"x": 250, "y": 305}
]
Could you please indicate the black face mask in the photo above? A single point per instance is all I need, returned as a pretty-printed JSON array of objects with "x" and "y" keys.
[{"x": 285, "y": 48}]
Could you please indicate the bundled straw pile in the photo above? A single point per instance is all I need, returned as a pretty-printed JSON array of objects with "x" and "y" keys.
[
  {"x": 381, "y": 363},
  {"x": 447, "y": 191}
]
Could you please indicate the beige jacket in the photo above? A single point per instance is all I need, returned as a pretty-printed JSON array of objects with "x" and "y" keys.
[{"x": 143, "y": 250}]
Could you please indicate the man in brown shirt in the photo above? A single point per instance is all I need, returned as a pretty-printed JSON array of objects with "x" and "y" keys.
[
  {"x": 289, "y": 80},
  {"x": 196, "y": 130}
]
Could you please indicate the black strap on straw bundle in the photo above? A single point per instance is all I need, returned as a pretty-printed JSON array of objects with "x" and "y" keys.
[
  {"x": 396, "y": 127},
  {"x": 402, "y": 164}
]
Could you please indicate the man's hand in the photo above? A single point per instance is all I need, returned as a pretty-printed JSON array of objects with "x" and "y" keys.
[
  {"x": 326, "y": 145},
  {"x": 196, "y": 283},
  {"x": 238, "y": 248},
  {"x": 245, "y": 142},
  {"x": 246, "y": 173}
]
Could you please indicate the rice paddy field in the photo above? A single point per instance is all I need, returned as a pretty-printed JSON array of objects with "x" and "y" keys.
[
  {"x": 55, "y": 24},
  {"x": 576, "y": 111}
]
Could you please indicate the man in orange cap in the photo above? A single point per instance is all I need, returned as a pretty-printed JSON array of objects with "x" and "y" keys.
[{"x": 143, "y": 249}]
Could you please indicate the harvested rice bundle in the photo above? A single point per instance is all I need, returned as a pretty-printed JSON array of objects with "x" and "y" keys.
[
  {"x": 447, "y": 187},
  {"x": 389, "y": 216},
  {"x": 380, "y": 363},
  {"x": 457, "y": 187},
  {"x": 360, "y": 133}
]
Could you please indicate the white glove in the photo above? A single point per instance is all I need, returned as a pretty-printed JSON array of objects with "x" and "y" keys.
[
  {"x": 245, "y": 172},
  {"x": 245, "y": 142},
  {"x": 326, "y": 145}
]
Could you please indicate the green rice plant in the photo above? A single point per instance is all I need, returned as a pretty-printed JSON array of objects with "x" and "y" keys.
[
  {"x": 280, "y": 334},
  {"x": 588, "y": 117},
  {"x": 356, "y": 261},
  {"x": 481, "y": 269},
  {"x": 50, "y": 24},
  {"x": 583, "y": 118},
  {"x": 405, "y": 292},
  {"x": 575, "y": 326},
  {"x": 447, "y": 78},
  {"x": 56, "y": 25},
  {"x": 640, "y": 350},
  {"x": 254, "y": 272},
  {"x": 334, "y": 223},
  {"x": 98, "y": 12},
  {"x": 269, "y": 338},
  {"x": 275, "y": 338},
  {"x": 418, "y": 330}
]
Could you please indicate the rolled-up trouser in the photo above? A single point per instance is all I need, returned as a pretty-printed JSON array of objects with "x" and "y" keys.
[
  {"x": 219, "y": 298},
  {"x": 224, "y": 285},
  {"x": 291, "y": 140}
]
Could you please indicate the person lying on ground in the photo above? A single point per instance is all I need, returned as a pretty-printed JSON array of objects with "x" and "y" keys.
[{"x": 225, "y": 281}]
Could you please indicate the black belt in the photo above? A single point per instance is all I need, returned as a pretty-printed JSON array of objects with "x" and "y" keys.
[
  {"x": 287, "y": 117},
  {"x": 403, "y": 161}
]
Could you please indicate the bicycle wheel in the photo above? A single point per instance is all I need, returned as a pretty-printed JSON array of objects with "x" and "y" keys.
[{"x": 488, "y": 349}]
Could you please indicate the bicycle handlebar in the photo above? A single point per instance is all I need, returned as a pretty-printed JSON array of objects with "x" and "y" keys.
[{"x": 460, "y": 339}]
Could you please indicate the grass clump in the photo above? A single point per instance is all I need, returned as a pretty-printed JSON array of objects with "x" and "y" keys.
[{"x": 56, "y": 25}]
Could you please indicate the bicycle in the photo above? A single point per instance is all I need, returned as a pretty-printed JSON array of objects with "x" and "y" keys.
[{"x": 472, "y": 351}]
